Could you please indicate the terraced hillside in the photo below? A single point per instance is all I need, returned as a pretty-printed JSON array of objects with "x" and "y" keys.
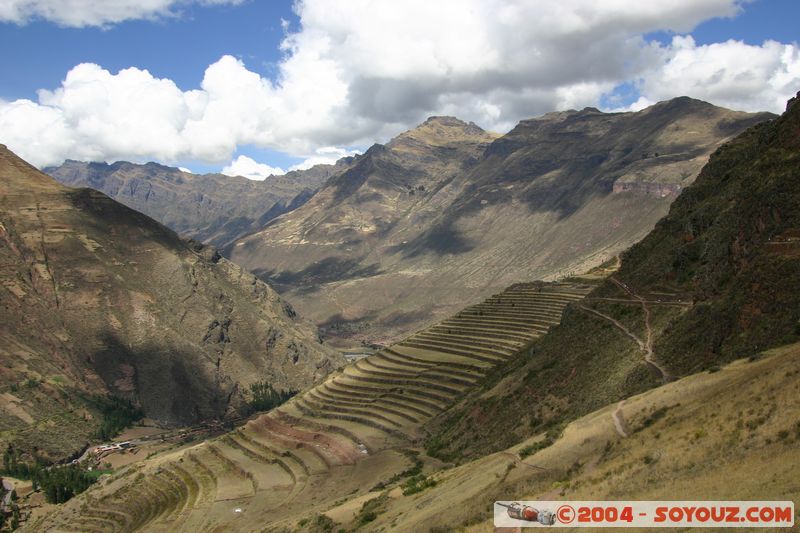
[{"x": 354, "y": 432}]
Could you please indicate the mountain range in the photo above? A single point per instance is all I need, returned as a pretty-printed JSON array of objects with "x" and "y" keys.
[
  {"x": 211, "y": 208},
  {"x": 413, "y": 223},
  {"x": 99, "y": 299},
  {"x": 668, "y": 371},
  {"x": 409, "y": 233},
  {"x": 717, "y": 279}
]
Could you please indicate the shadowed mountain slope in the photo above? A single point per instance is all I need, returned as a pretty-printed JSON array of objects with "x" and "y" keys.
[
  {"x": 446, "y": 214},
  {"x": 210, "y": 208},
  {"x": 717, "y": 279},
  {"x": 97, "y": 298}
]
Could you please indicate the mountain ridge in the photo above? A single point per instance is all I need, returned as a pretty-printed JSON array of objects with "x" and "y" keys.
[
  {"x": 411, "y": 221},
  {"x": 100, "y": 299},
  {"x": 212, "y": 208},
  {"x": 717, "y": 279}
]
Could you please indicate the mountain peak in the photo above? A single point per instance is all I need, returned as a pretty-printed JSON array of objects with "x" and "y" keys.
[{"x": 442, "y": 131}]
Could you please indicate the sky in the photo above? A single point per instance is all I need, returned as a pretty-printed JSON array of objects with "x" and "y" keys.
[{"x": 257, "y": 87}]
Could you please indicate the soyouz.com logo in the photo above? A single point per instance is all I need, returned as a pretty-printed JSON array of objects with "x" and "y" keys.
[{"x": 767, "y": 514}]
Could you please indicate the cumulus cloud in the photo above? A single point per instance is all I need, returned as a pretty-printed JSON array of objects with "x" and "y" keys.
[
  {"x": 251, "y": 169},
  {"x": 80, "y": 13},
  {"x": 355, "y": 72},
  {"x": 732, "y": 74},
  {"x": 327, "y": 155}
]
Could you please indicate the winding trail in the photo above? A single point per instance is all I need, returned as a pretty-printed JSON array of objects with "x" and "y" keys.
[
  {"x": 619, "y": 421},
  {"x": 619, "y": 326},
  {"x": 645, "y": 346},
  {"x": 648, "y": 343}
]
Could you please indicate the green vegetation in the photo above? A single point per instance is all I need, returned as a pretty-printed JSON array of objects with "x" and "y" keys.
[
  {"x": 264, "y": 397},
  {"x": 14, "y": 466},
  {"x": 320, "y": 524},
  {"x": 413, "y": 470},
  {"x": 59, "y": 483},
  {"x": 118, "y": 414},
  {"x": 417, "y": 484},
  {"x": 549, "y": 438},
  {"x": 371, "y": 509},
  {"x": 655, "y": 416}
]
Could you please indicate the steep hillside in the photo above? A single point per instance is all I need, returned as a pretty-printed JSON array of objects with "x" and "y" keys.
[
  {"x": 210, "y": 208},
  {"x": 717, "y": 279},
  {"x": 343, "y": 439},
  {"x": 415, "y": 223},
  {"x": 728, "y": 435},
  {"x": 97, "y": 298}
]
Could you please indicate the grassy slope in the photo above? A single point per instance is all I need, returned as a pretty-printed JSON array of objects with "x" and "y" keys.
[
  {"x": 727, "y": 245},
  {"x": 731, "y": 434}
]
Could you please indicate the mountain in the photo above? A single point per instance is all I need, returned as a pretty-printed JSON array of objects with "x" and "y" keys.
[
  {"x": 98, "y": 298},
  {"x": 717, "y": 279},
  {"x": 415, "y": 224},
  {"x": 544, "y": 391},
  {"x": 210, "y": 208}
]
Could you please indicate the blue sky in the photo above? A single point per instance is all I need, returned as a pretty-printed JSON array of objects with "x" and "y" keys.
[{"x": 347, "y": 80}]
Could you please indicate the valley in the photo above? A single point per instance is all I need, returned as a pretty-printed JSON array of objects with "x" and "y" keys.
[
  {"x": 597, "y": 385},
  {"x": 358, "y": 430},
  {"x": 471, "y": 266},
  {"x": 414, "y": 223}
]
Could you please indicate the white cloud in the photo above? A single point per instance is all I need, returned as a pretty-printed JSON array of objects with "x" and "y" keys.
[
  {"x": 732, "y": 74},
  {"x": 326, "y": 155},
  {"x": 80, "y": 13},
  {"x": 251, "y": 169},
  {"x": 186, "y": 170},
  {"x": 357, "y": 72}
]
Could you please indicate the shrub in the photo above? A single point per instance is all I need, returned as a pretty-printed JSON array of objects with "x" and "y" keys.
[
  {"x": 118, "y": 414},
  {"x": 550, "y": 437},
  {"x": 417, "y": 484},
  {"x": 371, "y": 509},
  {"x": 264, "y": 397},
  {"x": 654, "y": 417}
]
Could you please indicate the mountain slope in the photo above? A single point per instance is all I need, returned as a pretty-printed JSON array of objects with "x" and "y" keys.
[
  {"x": 210, "y": 208},
  {"x": 717, "y": 279},
  {"x": 98, "y": 298},
  {"x": 355, "y": 431},
  {"x": 416, "y": 223},
  {"x": 724, "y": 435}
]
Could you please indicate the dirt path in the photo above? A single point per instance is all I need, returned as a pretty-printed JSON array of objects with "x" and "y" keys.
[
  {"x": 648, "y": 342},
  {"x": 645, "y": 346},
  {"x": 8, "y": 487},
  {"x": 616, "y": 415},
  {"x": 519, "y": 461},
  {"x": 616, "y": 323},
  {"x": 619, "y": 421},
  {"x": 667, "y": 303}
]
